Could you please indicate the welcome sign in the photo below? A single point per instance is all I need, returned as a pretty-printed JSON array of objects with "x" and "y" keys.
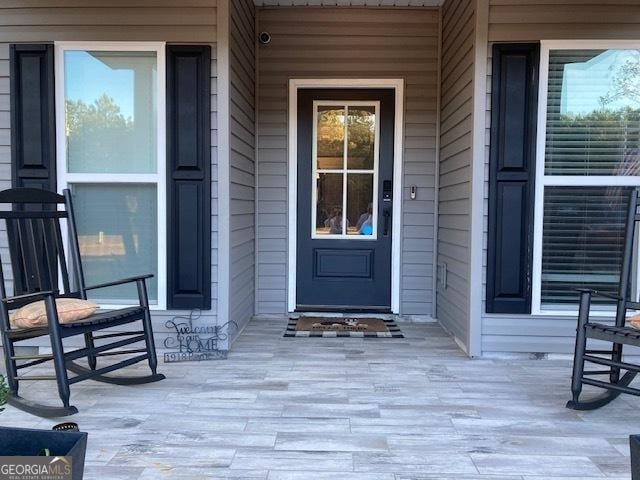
[{"x": 191, "y": 340}]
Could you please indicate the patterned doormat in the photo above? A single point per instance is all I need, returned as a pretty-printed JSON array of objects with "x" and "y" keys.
[{"x": 342, "y": 327}]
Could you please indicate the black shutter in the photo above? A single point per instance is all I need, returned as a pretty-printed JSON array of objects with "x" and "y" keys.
[
  {"x": 189, "y": 176},
  {"x": 511, "y": 178},
  {"x": 33, "y": 126},
  {"x": 33, "y": 137}
]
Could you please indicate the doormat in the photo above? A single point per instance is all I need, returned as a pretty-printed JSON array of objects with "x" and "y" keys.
[{"x": 342, "y": 327}]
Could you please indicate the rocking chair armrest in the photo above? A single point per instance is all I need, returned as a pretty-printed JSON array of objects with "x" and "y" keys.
[
  {"x": 31, "y": 296},
  {"x": 598, "y": 293},
  {"x": 120, "y": 282}
]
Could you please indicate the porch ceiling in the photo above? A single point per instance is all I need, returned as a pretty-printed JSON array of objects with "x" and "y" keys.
[{"x": 348, "y": 3}]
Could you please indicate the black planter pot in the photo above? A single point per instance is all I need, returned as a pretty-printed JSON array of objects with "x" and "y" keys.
[
  {"x": 30, "y": 442},
  {"x": 634, "y": 447}
]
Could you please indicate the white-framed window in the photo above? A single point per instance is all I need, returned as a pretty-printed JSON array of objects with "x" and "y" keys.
[
  {"x": 345, "y": 151},
  {"x": 110, "y": 132},
  {"x": 588, "y": 159}
]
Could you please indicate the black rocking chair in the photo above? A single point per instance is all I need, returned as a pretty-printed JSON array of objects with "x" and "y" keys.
[
  {"x": 617, "y": 334},
  {"x": 38, "y": 264}
]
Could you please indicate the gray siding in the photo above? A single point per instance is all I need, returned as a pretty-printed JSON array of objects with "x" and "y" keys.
[
  {"x": 348, "y": 43},
  {"x": 519, "y": 21},
  {"x": 5, "y": 150},
  {"x": 193, "y": 21},
  {"x": 456, "y": 125},
  {"x": 135, "y": 20},
  {"x": 242, "y": 160},
  {"x": 523, "y": 20}
]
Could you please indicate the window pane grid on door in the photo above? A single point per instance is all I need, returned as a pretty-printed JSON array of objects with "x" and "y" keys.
[{"x": 345, "y": 147}]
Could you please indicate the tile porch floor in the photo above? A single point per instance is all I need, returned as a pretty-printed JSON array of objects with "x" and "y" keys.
[{"x": 348, "y": 409}]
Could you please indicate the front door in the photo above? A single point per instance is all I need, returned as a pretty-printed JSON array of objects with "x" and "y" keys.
[{"x": 345, "y": 199}]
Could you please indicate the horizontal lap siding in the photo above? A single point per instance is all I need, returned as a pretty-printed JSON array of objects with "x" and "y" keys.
[
  {"x": 522, "y": 20},
  {"x": 192, "y": 21},
  {"x": 242, "y": 161},
  {"x": 160, "y": 20},
  {"x": 533, "y": 20},
  {"x": 5, "y": 151},
  {"x": 456, "y": 122},
  {"x": 348, "y": 43}
]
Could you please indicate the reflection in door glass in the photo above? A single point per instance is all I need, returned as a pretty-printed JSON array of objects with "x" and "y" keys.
[
  {"x": 361, "y": 131},
  {"x": 360, "y": 204},
  {"x": 330, "y": 142},
  {"x": 329, "y": 218},
  {"x": 345, "y": 170}
]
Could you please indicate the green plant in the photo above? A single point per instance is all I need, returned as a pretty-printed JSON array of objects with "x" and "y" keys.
[{"x": 4, "y": 392}]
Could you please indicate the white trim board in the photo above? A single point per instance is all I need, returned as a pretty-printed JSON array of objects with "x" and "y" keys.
[
  {"x": 292, "y": 175},
  {"x": 159, "y": 178},
  {"x": 436, "y": 181},
  {"x": 223, "y": 153},
  {"x": 476, "y": 244}
]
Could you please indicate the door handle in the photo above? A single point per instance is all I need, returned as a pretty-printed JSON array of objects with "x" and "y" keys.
[
  {"x": 387, "y": 197},
  {"x": 387, "y": 216}
]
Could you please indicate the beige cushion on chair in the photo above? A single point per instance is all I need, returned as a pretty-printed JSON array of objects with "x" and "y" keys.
[
  {"x": 35, "y": 314},
  {"x": 634, "y": 321}
]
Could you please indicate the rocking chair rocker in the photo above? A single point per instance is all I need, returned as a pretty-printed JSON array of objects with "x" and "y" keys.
[
  {"x": 38, "y": 263},
  {"x": 617, "y": 334}
]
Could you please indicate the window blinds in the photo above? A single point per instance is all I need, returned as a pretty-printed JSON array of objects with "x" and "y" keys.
[{"x": 592, "y": 129}]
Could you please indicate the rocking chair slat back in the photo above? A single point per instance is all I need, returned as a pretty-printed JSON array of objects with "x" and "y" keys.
[
  {"x": 624, "y": 286},
  {"x": 59, "y": 247},
  {"x": 74, "y": 246},
  {"x": 36, "y": 245}
]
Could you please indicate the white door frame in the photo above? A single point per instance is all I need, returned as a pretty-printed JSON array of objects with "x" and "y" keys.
[{"x": 294, "y": 85}]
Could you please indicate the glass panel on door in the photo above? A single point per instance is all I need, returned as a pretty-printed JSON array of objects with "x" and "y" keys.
[
  {"x": 361, "y": 138},
  {"x": 360, "y": 203},
  {"x": 345, "y": 170},
  {"x": 330, "y": 137},
  {"x": 329, "y": 205}
]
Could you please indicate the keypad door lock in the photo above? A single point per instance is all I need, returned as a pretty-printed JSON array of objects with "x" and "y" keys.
[{"x": 387, "y": 191}]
